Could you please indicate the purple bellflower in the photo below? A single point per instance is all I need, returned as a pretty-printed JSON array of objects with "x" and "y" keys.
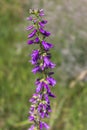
[{"x": 41, "y": 60}]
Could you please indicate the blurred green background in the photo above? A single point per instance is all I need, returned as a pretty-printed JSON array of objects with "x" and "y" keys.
[{"x": 68, "y": 25}]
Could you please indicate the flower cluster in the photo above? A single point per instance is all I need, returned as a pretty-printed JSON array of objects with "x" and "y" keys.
[{"x": 41, "y": 60}]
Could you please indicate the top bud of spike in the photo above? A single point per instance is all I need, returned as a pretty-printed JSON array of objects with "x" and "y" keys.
[{"x": 37, "y": 12}]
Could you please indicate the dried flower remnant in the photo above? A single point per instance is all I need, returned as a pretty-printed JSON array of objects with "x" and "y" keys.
[{"x": 41, "y": 60}]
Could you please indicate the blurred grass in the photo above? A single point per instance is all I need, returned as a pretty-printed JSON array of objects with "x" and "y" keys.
[{"x": 17, "y": 81}]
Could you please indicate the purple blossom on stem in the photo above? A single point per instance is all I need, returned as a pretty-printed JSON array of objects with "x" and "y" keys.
[
  {"x": 30, "y": 42},
  {"x": 29, "y": 18},
  {"x": 51, "y": 81},
  {"x": 46, "y": 45},
  {"x": 32, "y": 34},
  {"x": 41, "y": 12},
  {"x": 41, "y": 60},
  {"x": 48, "y": 63},
  {"x": 30, "y": 27},
  {"x": 42, "y": 23},
  {"x": 44, "y": 32},
  {"x": 32, "y": 127},
  {"x": 44, "y": 125},
  {"x": 40, "y": 85},
  {"x": 36, "y": 69},
  {"x": 34, "y": 56},
  {"x": 36, "y": 40}
]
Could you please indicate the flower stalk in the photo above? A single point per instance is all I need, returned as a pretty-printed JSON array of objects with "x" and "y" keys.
[{"x": 41, "y": 60}]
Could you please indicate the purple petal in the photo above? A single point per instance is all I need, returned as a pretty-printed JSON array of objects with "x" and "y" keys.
[
  {"x": 36, "y": 40},
  {"x": 51, "y": 95},
  {"x": 32, "y": 33},
  {"x": 30, "y": 27},
  {"x": 51, "y": 81},
  {"x": 48, "y": 63},
  {"x": 31, "y": 109},
  {"x": 43, "y": 125},
  {"x": 46, "y": 87},
  {"x": 34, "y": 57},
  {"x": 46, "y": 45},
  {"x": 44, "y": 32},
  {"x": 36, "y": 69},
  {"x": 30, "y": 42},
  {"x": 42, "y": 23},
  {"x": 47, "y": 33},
  {"x": 52, "y": 65},
  {"x": 31, "y": 118},
  {"x": 41, "y": 12},
  {"x": 39, "y": 87},
  {"x": 32, "y": 127},
  {"x": 37, "y": 82},
  {"x": 29, "y": 18},
  {"x": 46, "y": 97}
]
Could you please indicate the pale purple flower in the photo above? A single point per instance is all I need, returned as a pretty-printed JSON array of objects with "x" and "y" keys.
[
  {"x": 29, "y": 18},
  {"x": 32, "y": 127},
  {"x": 41, "y": 12},
  {"x": 30, "y": 27}
]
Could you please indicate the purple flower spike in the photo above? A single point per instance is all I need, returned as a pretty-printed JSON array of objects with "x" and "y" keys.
[
  {"x": 41, "y": 60},
  {"x": 46, "y": 45},
  {"x": 32, "y": 33}
]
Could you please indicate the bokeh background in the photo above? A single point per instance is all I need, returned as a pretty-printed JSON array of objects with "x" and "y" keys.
[{"x": 68, "y": 25}]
